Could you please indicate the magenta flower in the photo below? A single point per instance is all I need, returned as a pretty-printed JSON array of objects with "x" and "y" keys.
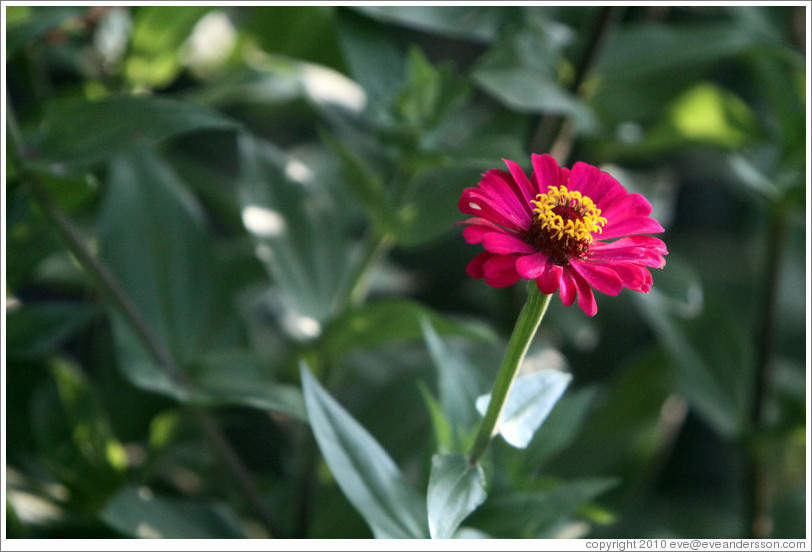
[{"x": 553, "y": 227}]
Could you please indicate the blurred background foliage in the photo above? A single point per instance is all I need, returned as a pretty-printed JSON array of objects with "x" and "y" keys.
[{"x": 272, "y": 184}]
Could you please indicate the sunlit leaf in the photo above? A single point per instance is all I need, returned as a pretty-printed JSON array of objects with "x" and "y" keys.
[
  {"x": 531, "y": 399},
  {"x": 154, "y": 58},
  {"x": 709, "y": 114},
  {"x": 644, "y": 66},
  {"x": 74, "y": 434}
]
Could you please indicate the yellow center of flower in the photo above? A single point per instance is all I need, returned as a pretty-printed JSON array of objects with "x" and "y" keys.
[{"x": 564, "y": 223}]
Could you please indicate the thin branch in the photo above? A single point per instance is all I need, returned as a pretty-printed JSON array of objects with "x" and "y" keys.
[
  {"x": 757, "y": 494},
  {"x": 122, "y": 302}
]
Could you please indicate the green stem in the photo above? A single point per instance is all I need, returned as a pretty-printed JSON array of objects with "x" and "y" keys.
[
  {"x": 526, "y": 326},
  {"x": 357, "y": 287}
]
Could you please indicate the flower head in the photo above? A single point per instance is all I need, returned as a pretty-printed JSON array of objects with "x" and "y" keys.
[{"x": 553, "y": 228}]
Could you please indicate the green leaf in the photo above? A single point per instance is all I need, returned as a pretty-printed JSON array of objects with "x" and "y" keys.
[
  {"x": 429, "y": 209},
  {"x": 36, "y": 330},
  {"x": 366, "y": 186},
  {"x": 471, "y": 22},
  {"x": 521, "y": 71},
  {"x": 713, "y": 358},
  {"x": 160, "y": 254},
  {"x": 137, "y": 512},
  {"x": 429, "y": 92},
  {"x": 457, "y": 379},
  {"x": 375, "y": 61},
  {"x": 535, "y": 514},
  {"x": 531, "y": 399},
  {"x": 647, "y": 49},
  {"x": 152, "y": 236},
  {"x": 214, "y": 380},
  {"x": 443, "y": 432},
  {"x": 362, "y": 468},
  {"x": 525, "y": 90},
  {"x": 298, "y": 232},
  {"x": 704, "y": 114},
  {"x": 383, "y": 321},
  {"x": 240, "y": 378},
  {"x": 456, "y": 488},
  {"x": 119, "y": 123}
]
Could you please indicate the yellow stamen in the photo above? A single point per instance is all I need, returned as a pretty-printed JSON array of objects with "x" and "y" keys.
[{"x": 580, "y": 220}]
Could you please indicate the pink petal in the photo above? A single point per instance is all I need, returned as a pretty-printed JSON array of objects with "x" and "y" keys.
[
  {"x": 626, "y": 206},
  {"x": 586, "y": 179},
  {"x": 531, "y": 266},
  {"x": 586, "y": 299},
  {"x": 629, "y": 227},
  {"x": 568, "y": 288},
  {"x": 500, "y": 271},
  {"x": 633, "y": 276},
  {"x": 550, "y": 279},
  {"x": 479, "y": 221},
  {"x": 541, "y": 268},
  {"x": 474, "y": 201},
  {"x": 546, "y": 172},
  {"x": 475, "y": 267},
  {"x": 505, "y": 244},
  {"x": 525, "y": 188},
  {"x": 501, "y": 188},
  {"x": 627, "y": 216},
  {"x": 475, "y": 233},
  {"x": 601, "y": 278},
  {"x": 641, "y": 250},
  {"x": 599, "y": 186}
]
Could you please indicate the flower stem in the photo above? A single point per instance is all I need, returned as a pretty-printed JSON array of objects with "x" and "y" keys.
[{"x": 526, "y": 326}]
